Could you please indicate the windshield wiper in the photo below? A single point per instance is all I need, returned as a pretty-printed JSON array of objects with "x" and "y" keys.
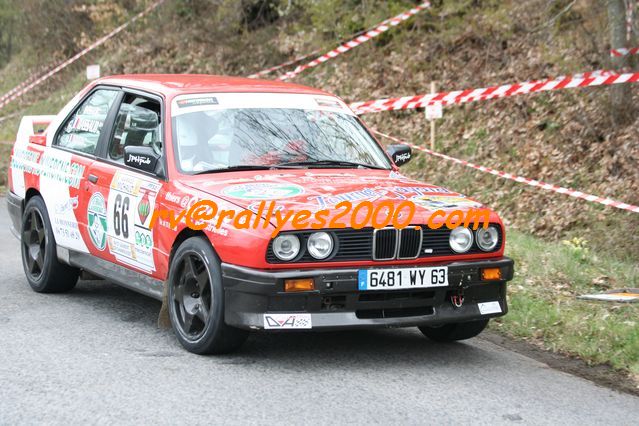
[
  {"x": 338, "y": 163},
  {"x": 238, "y": 168}
]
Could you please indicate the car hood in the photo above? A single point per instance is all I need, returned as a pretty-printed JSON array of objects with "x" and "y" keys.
[{"x": 317, "y": 189}]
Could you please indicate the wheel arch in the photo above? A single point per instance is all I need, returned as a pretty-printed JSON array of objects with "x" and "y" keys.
[
  {"x": 184, "y": 235},
  {"x": 31, "y": 192}
]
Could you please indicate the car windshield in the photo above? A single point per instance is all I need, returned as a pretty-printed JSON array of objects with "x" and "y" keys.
[{"x": 219, "y": 139}]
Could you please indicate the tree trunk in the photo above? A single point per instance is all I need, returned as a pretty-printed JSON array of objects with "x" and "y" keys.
[{"x": 620, "y": 95}]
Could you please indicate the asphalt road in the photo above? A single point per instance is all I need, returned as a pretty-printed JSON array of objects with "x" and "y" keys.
[{"x": 95, "y": 355}]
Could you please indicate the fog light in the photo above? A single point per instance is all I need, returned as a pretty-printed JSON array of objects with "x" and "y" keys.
[
  {"x": 304, "y": 284},
  {"x": 491, "y": 274}
]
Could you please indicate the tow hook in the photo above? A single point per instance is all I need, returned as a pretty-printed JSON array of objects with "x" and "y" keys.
[{"x": 457, "y": 299}]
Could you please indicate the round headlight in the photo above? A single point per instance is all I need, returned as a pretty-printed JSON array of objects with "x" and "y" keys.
[
  {"x": 320, "y": 245},
  {"x": 487, "y": 238},
  {"x": 286, "y": 247},
  {"x": 461, "y": 239}
]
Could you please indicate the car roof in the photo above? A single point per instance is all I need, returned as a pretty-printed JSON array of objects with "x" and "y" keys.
[{"x": 176, "y": 84}]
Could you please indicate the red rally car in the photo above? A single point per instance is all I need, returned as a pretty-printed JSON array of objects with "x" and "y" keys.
[{"x": 84, "y": 191}]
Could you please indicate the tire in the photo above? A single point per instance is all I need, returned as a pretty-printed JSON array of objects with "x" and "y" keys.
[
  {"x": 454, "y": 332},
  {"x": 196, "y": 300},
  {"x": 45, "y": 273}
]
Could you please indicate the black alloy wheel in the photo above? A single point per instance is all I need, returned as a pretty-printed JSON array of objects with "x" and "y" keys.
[
  {"x": 34, "y": 241},
  {"x": 192, "y": 296},
  {"x": 44, "y": 272},
  {"x": 196, "y": 300}
]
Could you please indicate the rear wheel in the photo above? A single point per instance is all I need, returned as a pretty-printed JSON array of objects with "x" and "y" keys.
[
  {"x": 45, "y": 273},
  {"x": 453, "y": 332},
  {"x": 196, "y": 300}
]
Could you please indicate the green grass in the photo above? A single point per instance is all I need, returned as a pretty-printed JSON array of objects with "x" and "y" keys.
[
  {"x": 41, "y": 102},
  {"x": 544, "y": 307}
]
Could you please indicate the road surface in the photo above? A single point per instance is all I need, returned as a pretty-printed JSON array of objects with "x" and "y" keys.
[{"x": 95, "y": 355}]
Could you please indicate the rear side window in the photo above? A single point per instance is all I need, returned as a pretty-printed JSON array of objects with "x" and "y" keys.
[
  {"x": 82, "y": 131},
  {"x": 137, "y": 124}
]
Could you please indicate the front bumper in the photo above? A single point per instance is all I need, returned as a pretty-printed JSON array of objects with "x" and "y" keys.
[
  {"x": 251, "y": 295},
  {"x": 14, "y": 206}
]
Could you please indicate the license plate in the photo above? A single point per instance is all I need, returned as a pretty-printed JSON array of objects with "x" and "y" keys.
[{"x": 401, "y": 279}]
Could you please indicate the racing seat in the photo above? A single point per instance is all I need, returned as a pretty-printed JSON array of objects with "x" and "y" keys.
[
  {"x": 193, "y": 145},
  {"x": 135, "y": 137}
]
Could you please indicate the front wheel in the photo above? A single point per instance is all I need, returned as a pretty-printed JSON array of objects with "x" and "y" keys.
[
  {"x": 45, "y": 273},
  {"x": 453, "y": 332},
  {"x": 196, "y": 300}
]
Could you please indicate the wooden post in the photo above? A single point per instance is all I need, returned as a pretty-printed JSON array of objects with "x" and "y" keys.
[{"x": 432, "y": 121}]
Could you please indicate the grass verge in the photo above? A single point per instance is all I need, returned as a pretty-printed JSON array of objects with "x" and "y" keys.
[
  {"x": 544, "y": 309},
  {"x": 5, "y": 154}
]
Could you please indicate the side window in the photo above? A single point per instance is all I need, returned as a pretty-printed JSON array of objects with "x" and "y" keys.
[
  {"x": 82, "y": 131},
  {"x": 137, "y": 124}
]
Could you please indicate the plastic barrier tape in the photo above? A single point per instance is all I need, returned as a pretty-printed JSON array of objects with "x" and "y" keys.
[
  {"x": 532, "y": 182},
  {"x": 598, "y": 78},
  {"x": 343, "y": 48},
  {"x": 78, "y": 55},
  {"x": 282, "y": 65},
  {"x": 624, "y": 51}
]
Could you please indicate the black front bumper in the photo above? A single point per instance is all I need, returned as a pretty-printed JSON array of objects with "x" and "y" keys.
[
  {"x": 14, "y": 206},
  {"x": 337, "y": 303}
]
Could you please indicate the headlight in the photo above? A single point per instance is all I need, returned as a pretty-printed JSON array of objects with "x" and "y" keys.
[
  {"x": 286, "y": 247},
  {"x": 461, "y": 239},
  {"x": 487, "y": 238},
  {"x": 320, "y": 245}
]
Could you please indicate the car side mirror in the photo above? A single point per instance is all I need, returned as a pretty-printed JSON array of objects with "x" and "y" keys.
[
  {"x": 143, "y": 158},
  {"x": 400, "y": 154}
]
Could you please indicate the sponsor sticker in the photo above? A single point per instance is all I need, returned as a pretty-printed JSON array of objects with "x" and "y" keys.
[
  {"x": 366, "y": 194},
  {"x": 58, "y": 169},
  {"x": 67, "y": 205},
  {"x": 329, "y": 103},
  {"x": 85, "y": 125},
  {"x": 209, "y": 100},
  {"x": 144, "y": 208},
  {"x": 396, "y": 175},
  {"x": 287, "y": 321},
  {"x": 263, "y": 191},
  {"x": 444, "y": 201},
  {"x": 130, "y": 206},
  {"x": 97, "y": 220},
  {"x": 66, "y": 229}
]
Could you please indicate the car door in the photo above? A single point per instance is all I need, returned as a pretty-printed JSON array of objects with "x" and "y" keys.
[
  {"x": 64, "y": 182},
  {"x": 125, "y": 196}
]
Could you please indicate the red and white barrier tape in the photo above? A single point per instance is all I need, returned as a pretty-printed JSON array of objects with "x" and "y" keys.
[
  {"x": 300, "y": 58},
  {"x": 532, "y": 182},
  {"x": 622, "y": 51},
  {"x": 18, "y": 87},
  {"x": 283, "y": 65},
  {"x": 78, "y": 55},
  {"x": 345, "y": 47},
  {"x": 469, "y": 95}
]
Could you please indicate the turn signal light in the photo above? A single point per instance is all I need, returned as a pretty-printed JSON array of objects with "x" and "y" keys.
[
  {"x": 304, "y": 284},
  {"x": 491, "y": 274}
]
